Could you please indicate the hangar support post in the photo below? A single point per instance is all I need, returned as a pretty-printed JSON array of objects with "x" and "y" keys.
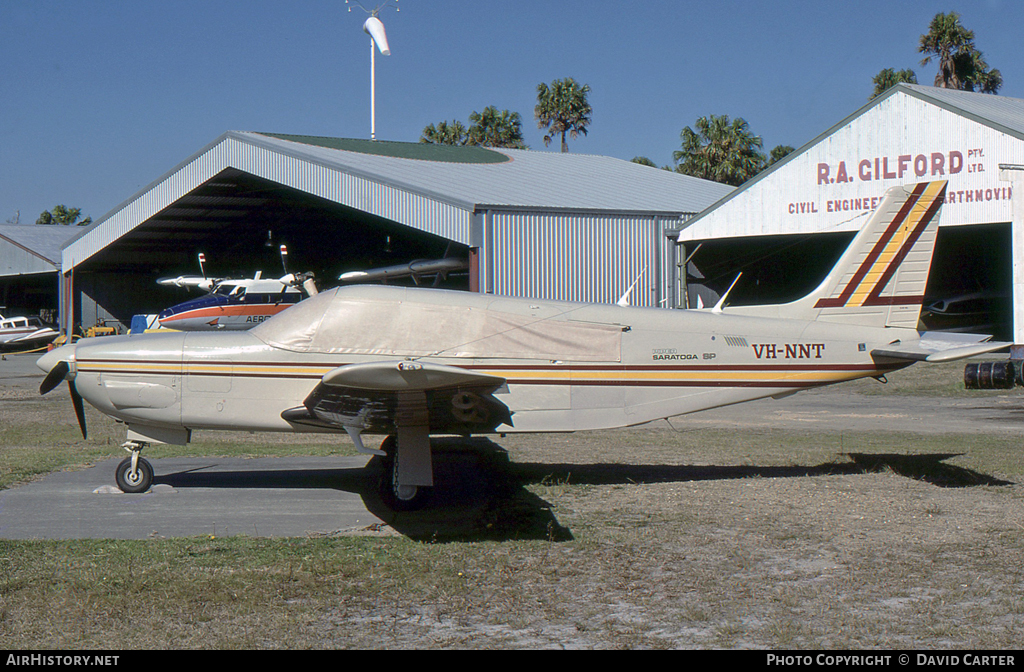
[{"x": 1014, "y": 174}]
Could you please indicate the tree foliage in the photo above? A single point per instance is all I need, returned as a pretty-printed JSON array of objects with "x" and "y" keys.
[
  {"x": 63, "y": 215},
  {"x": 961, "y": 65},
  {"x": 493, "y": 128},
  {"x": 778, "y": 153},
  {"x": 888, "y": 78},
  {"x": 445, "y": 133},
  {"x": 490, "y": 128},
  {"x": 562, "y": 109},
  {"x": 720, "y": 150}
]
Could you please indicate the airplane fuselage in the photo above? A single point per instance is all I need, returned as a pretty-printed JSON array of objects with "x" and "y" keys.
[
  {"x": 620, "y": 366},
  {"x": 216, "y": 312}
]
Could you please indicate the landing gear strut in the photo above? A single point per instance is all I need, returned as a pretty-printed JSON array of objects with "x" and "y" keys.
[
  {"x": 134, "y": 474},
  {"x": 399, "y": 497}
]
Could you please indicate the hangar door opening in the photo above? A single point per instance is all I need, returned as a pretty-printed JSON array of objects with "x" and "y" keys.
[{"x": 239, "y": 221}]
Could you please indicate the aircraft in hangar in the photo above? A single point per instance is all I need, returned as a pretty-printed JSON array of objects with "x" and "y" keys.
[
  {"x": 418, "y": 269},
  {"x": 233, "y": 304},
  {"x": 408, "y": 363}
]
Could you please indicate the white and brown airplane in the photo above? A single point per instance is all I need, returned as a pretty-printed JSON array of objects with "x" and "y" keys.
[{"x": 408, "y": 363}]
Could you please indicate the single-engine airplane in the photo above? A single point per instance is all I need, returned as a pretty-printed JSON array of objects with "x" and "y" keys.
[
  {"x": 408, "y": 362},
  {"x": 234, "y": 304}
]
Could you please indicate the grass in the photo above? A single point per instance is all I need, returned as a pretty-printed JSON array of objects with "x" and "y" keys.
[{"x": 722, "y": 538}]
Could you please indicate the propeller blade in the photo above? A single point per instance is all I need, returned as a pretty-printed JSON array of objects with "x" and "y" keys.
[
  {"x": 284, "y": 258},
  {"x": 58, "y": 373},
  {"x": 76, "y": 399}
]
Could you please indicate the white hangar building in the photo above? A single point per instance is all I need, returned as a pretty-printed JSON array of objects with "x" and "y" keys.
[
  {"x": 786, "y": 227},
  {"x": 529, "y": 224}
]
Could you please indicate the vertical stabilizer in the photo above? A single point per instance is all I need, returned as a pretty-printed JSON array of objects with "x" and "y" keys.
[{"x": 881, "y": 277}]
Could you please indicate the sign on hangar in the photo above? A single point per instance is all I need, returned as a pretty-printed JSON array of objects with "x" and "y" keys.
[{"x": 909, "y": 134}]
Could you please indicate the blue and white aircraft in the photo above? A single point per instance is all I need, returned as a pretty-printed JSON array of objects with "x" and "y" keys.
[{"x": 234, "y": 304}]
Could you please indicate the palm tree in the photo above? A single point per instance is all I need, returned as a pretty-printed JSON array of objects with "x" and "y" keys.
[
  {"x": 974, "y": 74},
  {"x": 888, "y": 78},
  {"x": 961, "y": 65},
  {"x": 562, "y": 109},
  {"x": 720, "y": 150},
  {"x": 492, "y": 128},
  {"x": 445, "y": 133},
  {"x": 945, "y": 40},
  {"x": 63, "y": 215}
]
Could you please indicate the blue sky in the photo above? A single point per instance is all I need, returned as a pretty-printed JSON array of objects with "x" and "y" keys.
[{"x": 99, "y": 98}]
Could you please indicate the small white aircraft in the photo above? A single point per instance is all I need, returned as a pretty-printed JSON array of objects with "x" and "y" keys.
[
  {"x": 234, "y": 304},
  {"x": 409, "y": 363}
]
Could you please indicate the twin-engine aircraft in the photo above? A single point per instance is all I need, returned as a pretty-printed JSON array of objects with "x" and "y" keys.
[
  {"x": 234, "y": 304},
  {"x": 408, "y": 363}
]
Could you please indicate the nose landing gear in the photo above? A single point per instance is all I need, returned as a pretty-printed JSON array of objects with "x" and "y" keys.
[{"x": 134, "y": 474}]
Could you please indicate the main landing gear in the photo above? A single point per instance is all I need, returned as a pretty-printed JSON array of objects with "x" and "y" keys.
[
  {"x": 396, "y": 496},
  {"x": 134, "y": 474}
]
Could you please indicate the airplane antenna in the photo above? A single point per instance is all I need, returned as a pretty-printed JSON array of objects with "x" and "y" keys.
[
  {"x": 379, "y": 39},
  {"x": 624, "y": 299},
  {"x": 721, "y": 302},
  {"x": 695, "y": 250}
]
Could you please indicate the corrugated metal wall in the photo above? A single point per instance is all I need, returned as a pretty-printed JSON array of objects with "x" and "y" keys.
[
  {"x": 578, "y": 257},
  {"x": 15, "y": 261}
]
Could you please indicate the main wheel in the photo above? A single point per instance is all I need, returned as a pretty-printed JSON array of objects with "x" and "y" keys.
[
  {"x": 137, "y": 482},
  {"x": 396, "y": 497}
]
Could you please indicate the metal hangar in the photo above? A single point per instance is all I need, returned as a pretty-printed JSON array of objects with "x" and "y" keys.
[
  {"x": 785, "y": 228},
  {"x": 530, "y": 224},
  {"x": 30, "y": 258}
]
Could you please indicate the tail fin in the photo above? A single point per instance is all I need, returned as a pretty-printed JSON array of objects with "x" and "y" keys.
[{"x": 881, "y": 277}]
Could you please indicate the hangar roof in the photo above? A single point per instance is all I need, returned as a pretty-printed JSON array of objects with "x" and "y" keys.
[
  {"x": 1003, "y": 114},
  {"x": 30, "y": 248},
  {"x": 438, "y": 190},
  {"x": 482, "y": 178}
]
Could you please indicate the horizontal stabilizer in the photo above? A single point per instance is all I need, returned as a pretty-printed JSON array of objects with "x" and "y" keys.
[{"x": 940, "y": 347}]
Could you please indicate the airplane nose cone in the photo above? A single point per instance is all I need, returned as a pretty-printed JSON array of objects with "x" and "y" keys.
[{"x": 64, "y": 353}]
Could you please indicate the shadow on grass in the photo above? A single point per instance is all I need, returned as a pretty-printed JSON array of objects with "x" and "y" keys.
[
  {"x": 480, "y": 495},
  {"x": 926, "y": 467}
]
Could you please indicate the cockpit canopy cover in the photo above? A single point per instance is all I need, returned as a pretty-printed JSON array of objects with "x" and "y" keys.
[{"x": 396, "y": 323}]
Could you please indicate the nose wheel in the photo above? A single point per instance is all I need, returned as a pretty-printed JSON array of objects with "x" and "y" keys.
[{"x": 134, "y": 474}]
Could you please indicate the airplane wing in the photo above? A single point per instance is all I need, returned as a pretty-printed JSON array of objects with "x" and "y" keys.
[
  {"x": 380, "y": 397},
  {"x": 936, "y": 346}
]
